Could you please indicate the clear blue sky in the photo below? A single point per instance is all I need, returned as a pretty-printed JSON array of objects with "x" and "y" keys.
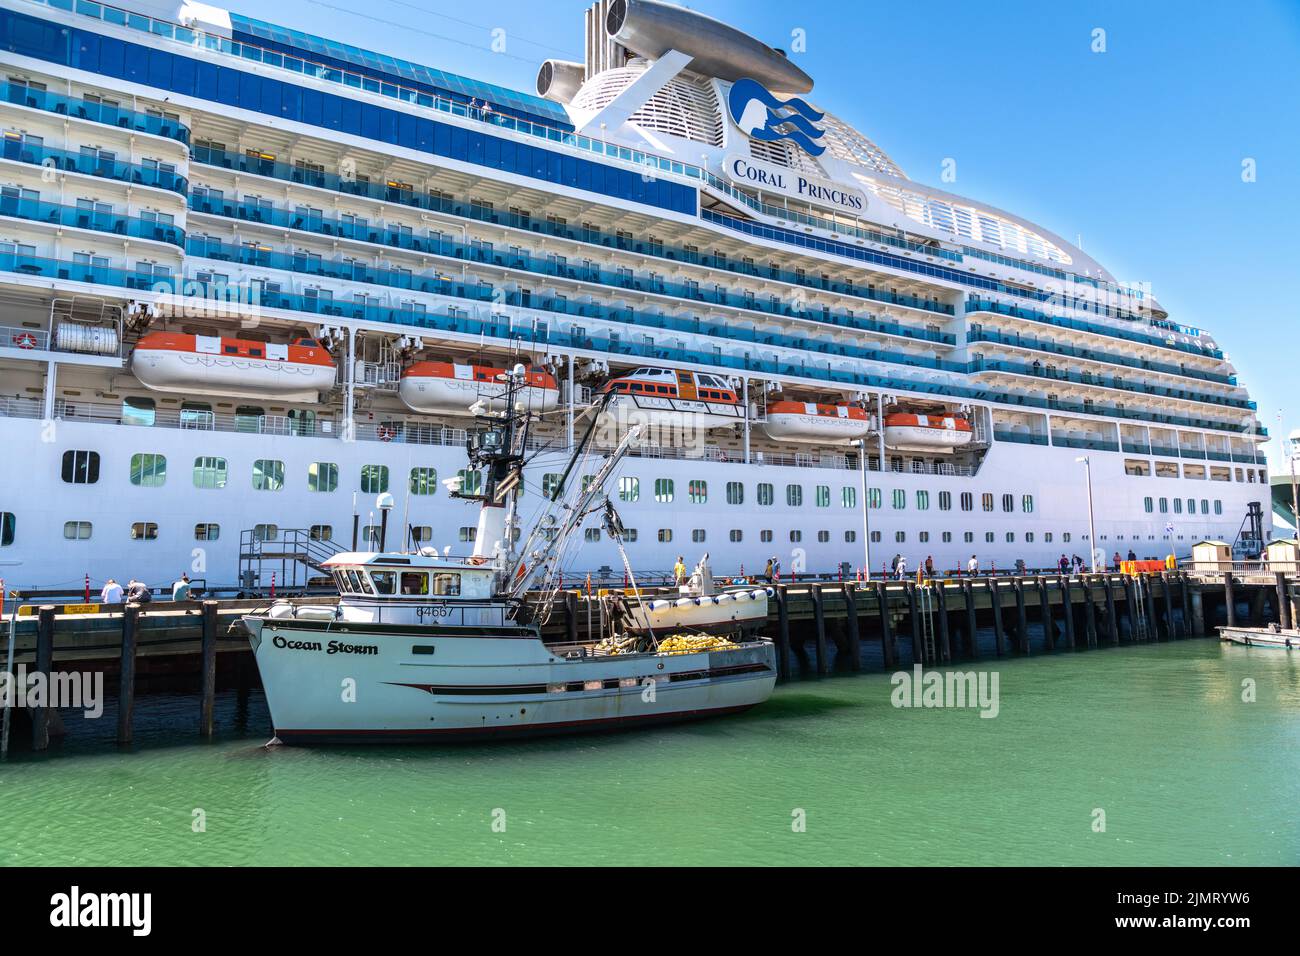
[{"x": 1138, "y": 150}]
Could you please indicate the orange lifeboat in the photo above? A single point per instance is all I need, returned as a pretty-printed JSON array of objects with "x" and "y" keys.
[
  {"x": 809, "y": 421},
  {"x": 451, "y": 389},
  {"x": 926, "y": 432},
  {"x": 209, "y": 365},
  {"x": 672, "y": 398}
]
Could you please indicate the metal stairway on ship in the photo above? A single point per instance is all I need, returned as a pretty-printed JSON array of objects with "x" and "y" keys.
[{"x": 290, "y": 560}]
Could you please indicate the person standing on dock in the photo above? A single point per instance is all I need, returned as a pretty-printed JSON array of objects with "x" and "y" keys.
[
  {"x": 1118, "y": 562},
  {"x": 929, "y": 566},
  {"x": 901, "y": 569},
  {"x": 112, "y": 593},
  {"x": 181, "y": 588},
  {"x": 973, "y": 566}
]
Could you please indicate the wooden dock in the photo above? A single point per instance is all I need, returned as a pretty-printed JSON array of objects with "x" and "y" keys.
[{"x": 818, "y": 626}]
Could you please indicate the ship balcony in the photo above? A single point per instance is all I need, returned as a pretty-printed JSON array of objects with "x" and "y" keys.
[
  {"x": 21, "y": 94},
  {"x": 385, "y": 193},
  {"x": 975, "y": 305},
  {"x": 401, "y": 237},
  {"x": 1016, "y": 340},
  {"x": 148, "y": 226},
  {"x": 155, "y": 176},
  {"x": 1037, "y": 370}
]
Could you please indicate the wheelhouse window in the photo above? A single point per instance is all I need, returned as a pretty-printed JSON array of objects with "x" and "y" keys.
[
  {"x": 81, "y": 467},
  {"x": 385, "y": 581},
  {"x": 415, "y": 582},
  {"x": 446, "y": 584}
]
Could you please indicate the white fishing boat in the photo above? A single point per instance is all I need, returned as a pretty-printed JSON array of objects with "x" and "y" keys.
[
  {"x": 1272, "y": 635},
  {"x": 427, "y": 647}
]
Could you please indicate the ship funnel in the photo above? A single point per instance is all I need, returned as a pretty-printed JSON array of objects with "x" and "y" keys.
[
  {"x": 560, "y": 80},
  {"x": 649, "y": 28}
]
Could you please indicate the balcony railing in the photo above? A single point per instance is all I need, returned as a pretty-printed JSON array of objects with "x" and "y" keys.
[
  {"x": 1042, "y": 345},
  {"x": 93, "y": 164},
  {"x": 81, "y": 218},
  {"x": 1001, "y": 308},
  {"x": 433, "y": 283},
  {"x": 1038, "y": 370},
  {"x": 383, "y": 192},
  {"x": 403, "y": 237},
  {"x": 21, "y": 94}
]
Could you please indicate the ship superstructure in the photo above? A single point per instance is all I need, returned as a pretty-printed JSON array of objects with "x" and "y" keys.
[{"x": 252, "y": 279}]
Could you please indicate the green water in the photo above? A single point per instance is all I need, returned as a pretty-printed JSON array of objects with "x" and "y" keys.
[{"x": 1157, "y": 737}]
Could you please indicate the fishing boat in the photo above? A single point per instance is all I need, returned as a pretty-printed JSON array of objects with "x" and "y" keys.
[
  {"x": 1273, "y": 635},
  {"x": 427, "y": 647}
]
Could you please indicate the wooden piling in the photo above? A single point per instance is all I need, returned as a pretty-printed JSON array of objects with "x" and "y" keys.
[
  {"x": 783, "y": 632},
  {"x": 126, "y": 676},
  {"x": 1130, "y": 605},
  {"x": 1089, "y": 613},
  {"x": 995, "y": 599},
  {"x": 1198, "y": 613},
  {"x": 1167, "y": 590},
  {"x": 44, "y": 665},
  {"x": 1283, "y": 605},
  {"x": 1229, "y": 599},
  {"x": 1149, "y": 600},
  {"x": 1185, "y": 599},
  {"x": 1257, "y": 595},
  {"x": 851, "y": 626},
  {"x": 971, "y": 639},
  {"x": 941, "y": 601},
  {"x": 571, "y": 616},
  {"x": 208, "y": 670},
  {"x": 1112, "y": 618},
  {"x": 887, "y": 649},
  {"x": 1022, "y": 622},
  {"x": 1067, "y": 611},
  {"x": 819, "y": 619},
  {"x": 1045, "y": 607},
  {"x": 918, "y": 650}
]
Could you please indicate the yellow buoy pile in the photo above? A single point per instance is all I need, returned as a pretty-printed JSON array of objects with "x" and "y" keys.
[
  {"x": 616, "y": 645},
  {"x": 694, "y": 643}
]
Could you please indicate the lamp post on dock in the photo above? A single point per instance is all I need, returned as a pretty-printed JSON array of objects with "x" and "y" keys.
[
  {"x": 866, "y": 524},
  {"x": 1293, "y": 440},
  {"x": 1092, "y": 528}
]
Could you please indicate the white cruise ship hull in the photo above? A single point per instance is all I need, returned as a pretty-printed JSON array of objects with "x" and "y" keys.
[{"x": 328, "y": 682}]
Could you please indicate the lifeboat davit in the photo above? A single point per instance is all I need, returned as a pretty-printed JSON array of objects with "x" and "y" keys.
[
  {"x": 926, "y": 432},
  {"x": 673, "y": 399},
  {"x": 209, "y": 365},
  {"x": 451, "y": 389},
  {"x": 809, "y": 421}
]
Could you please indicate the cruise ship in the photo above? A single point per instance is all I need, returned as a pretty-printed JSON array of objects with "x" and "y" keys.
[{"x": 258, "y": 289}]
